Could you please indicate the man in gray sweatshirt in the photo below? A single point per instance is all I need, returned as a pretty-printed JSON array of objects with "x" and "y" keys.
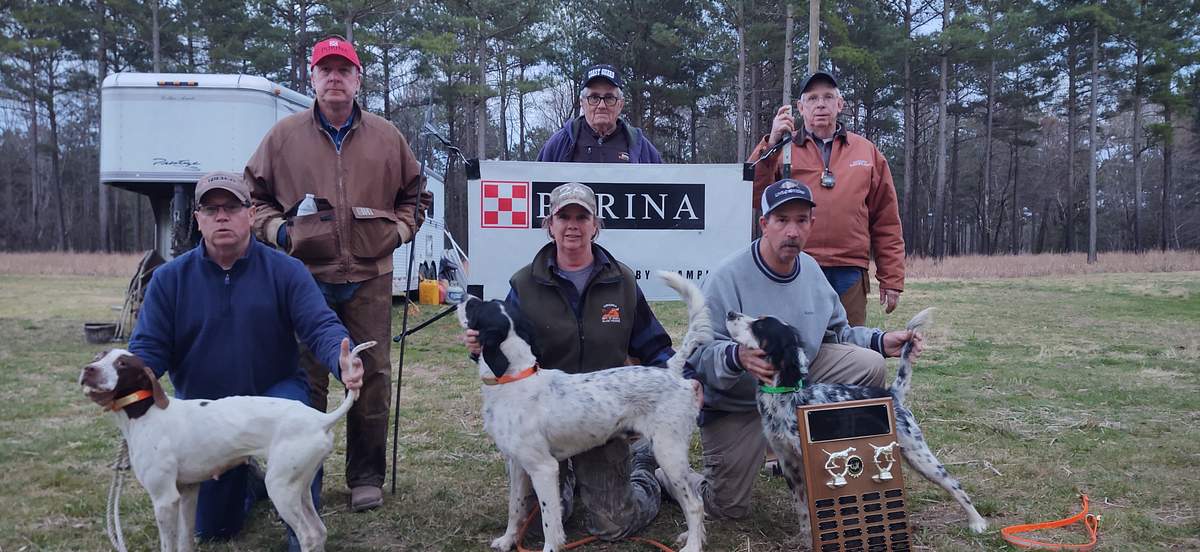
[{"x": 773, "y": 277}]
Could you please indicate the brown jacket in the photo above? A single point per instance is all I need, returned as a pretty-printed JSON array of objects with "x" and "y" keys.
[
  {"x": 367, "y": 195},
  {"x": 854, "y": 219}
]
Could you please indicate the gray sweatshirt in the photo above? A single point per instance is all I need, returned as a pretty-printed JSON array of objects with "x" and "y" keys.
[{"x": 803, "y": 299}]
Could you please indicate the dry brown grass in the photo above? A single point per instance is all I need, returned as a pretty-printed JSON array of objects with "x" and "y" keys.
[
  {"x": 919, "y": 268},
  {"x": 1023, "y": 266},
  {"x": 77, "y": 264}
]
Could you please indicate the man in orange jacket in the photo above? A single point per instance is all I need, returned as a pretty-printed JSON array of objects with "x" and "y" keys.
[{"x": 851, "y": 181}]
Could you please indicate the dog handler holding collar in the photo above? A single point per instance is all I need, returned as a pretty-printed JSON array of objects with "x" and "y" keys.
[
  {"x": 773, "y": 276},
  {"x": 859, "y": 214},
  {"x": 222, "y": 320},
  {"x": 589, "y": 314}
]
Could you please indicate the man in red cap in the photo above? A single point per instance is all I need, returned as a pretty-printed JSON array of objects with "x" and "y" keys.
[{"x": 366, "y": 200}]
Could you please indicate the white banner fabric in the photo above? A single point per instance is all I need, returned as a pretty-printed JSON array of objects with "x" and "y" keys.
[{"x": 683, "y": 218}]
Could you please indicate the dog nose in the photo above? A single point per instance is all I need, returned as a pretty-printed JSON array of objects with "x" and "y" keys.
[
  {"x": 732, "y": 315},
  {"x": 89, "y": 371}
]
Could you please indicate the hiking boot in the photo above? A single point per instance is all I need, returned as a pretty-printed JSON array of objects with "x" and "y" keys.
[
  {"x": 365, "y": 498},
  {"x": 643, "y": 457}
]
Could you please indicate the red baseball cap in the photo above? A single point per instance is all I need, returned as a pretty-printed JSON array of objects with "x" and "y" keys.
[{"x": 334, "y": 46}]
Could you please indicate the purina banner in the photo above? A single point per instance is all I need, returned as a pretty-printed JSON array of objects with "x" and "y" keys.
[{"x": 683, "y": 218}]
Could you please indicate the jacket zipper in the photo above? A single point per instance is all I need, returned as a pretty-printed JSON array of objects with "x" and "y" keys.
[{"x": 341, "y": 192}]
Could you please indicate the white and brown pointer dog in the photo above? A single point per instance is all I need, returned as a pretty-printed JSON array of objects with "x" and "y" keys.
[
  {"x": 176, "y": 444},
  {"x": 778, "y": 411},
  {"x": 540, "y": 416}
]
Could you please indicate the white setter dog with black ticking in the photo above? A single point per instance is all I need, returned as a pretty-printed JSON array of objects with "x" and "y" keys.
[
  {"x": 778, "y": 411},
  {"x": 540, "y": 416},
  {"x": 175, "y": 444}
]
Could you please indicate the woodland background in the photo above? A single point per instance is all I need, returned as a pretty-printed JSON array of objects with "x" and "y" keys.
[{"x": 988, "y": 111}]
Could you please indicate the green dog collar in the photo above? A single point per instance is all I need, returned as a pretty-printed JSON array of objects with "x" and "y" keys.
[{"x": 772, "y": 390}]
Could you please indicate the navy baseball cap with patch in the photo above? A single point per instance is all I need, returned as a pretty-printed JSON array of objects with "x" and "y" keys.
[
  {"x": 819, "y": 76},
  {"x": 603, "y": 71},
  {"x": 784, "y": 191}
]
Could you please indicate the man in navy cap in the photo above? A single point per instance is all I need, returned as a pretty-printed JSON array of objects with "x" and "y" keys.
[
  {"x": 773, "y": 276},
  {"x": 852, "y": 182},
  {"x": 600, "y": 135}
]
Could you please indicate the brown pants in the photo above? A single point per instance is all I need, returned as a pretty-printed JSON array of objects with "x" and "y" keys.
[
  {"x": 734, "y": 444},
  {"x": 855, "y": 301},
  {"x": 367, "y": 315}
]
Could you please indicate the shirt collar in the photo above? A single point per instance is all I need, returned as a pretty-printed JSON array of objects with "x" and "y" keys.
[{"x": 838, "y": 132}]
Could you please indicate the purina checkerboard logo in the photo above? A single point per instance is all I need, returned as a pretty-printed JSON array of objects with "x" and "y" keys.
[{"x": 505, "y": 204}]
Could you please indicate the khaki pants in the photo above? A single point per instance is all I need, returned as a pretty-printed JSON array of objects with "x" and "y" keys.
[
  {"x": 734, "y": 443},
  {"x": 367, "y": 315}
]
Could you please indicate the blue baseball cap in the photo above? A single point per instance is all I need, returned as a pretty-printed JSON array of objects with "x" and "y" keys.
[{"x": 784, "y": 191}]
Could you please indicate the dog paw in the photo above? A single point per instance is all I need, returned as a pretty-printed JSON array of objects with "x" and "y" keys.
[
  {"x": 681, "y": 540},
  {"x": 503, "y": 544},
  {"x": 979, "y": 525}
]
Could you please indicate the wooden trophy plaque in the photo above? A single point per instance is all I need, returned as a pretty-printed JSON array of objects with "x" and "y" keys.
[{"x": 856, "y": 499}]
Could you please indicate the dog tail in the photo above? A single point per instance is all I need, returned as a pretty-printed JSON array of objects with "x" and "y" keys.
[
  {"x": 918, "y": 324},
  {"x": 352, "y": 396},
  {"x": 700, "y": 330}
]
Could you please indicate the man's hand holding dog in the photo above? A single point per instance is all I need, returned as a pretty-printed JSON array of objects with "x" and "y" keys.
[
  {"x": 755, "y": 362},
  {"x": 894, "y": 341},
  {"x": 351, "y": 366},
  {"x": 470, "y": 338}
]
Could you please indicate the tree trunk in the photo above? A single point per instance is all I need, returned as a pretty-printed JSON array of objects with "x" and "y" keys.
[
  {"x": 521, "y": 111},
  {"x": 386, "y": 59},
  {"x": 481, "y": 100},
  {"x": 102, "y": 72},
  {"x": 985, "y": 191},
  {"x": 952, "y": 185},
  {"x": 1167, "y": 168},
  {"x": 1072, "y": 140},
  {"x": 1137, "y": 152},
  {"x": 154, "y": 6},
  {"x": 56, "y": 160},
  {"x": 502, "y": 66},
  {"x": 740, "y": 121},
  {"x": 1014, "y": 229},
  {"x": 939, "y": 229},
  {"x": 910, "y": 133},
  {"x": 34, "y": 176},
  {"x": 1092, "y": 148}
]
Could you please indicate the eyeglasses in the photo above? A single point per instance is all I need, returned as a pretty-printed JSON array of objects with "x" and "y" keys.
[
  {"x": 609, "y": 100},
  {"x": 828, "y": 97},
  {"x": 229, "y": 208}
]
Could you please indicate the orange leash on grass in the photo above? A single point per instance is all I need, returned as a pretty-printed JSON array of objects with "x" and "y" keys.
[
  {"x": 580, "y": 542},
  {"x": 1091, "y": 522}
]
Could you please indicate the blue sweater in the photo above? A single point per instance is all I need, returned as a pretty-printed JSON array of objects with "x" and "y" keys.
[{"x": 221, "y": 332}]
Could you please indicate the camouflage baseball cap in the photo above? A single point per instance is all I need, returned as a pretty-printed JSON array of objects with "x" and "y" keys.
[{"x": 572, "y": 192}]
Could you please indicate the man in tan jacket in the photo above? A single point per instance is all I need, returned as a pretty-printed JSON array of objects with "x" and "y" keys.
[
  {"x": 851, "y": 181},
  {"x": 366, "y": 187}
]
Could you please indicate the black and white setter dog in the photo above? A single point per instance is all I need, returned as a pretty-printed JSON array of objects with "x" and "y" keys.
[
  {"x": 538, "y": 415},
  {"x": 778, "y": 411}
]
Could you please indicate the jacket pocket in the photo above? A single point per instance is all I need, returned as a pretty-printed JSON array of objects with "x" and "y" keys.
[
  {"x": 374, "y": 233},
  {"x": 314, "y": 237}
]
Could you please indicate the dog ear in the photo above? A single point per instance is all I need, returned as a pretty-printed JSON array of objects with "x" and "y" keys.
[
  {"x": 496, "y": 360},
  {"x": 160, "y": 398}
]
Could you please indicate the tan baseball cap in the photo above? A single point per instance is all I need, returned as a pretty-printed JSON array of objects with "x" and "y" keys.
[
  {"x": 572, "y": 193},
  {"x": 223, "y": 180}
]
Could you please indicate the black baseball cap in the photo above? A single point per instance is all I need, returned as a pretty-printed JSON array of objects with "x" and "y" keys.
[
  {"x": 602, "y": 71},
  {"x": 784, "y": 191},
  {"x": 819, "y": 76}
]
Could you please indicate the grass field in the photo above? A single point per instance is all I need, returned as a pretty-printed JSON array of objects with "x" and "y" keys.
[{"x": 1031, "y": 390}]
